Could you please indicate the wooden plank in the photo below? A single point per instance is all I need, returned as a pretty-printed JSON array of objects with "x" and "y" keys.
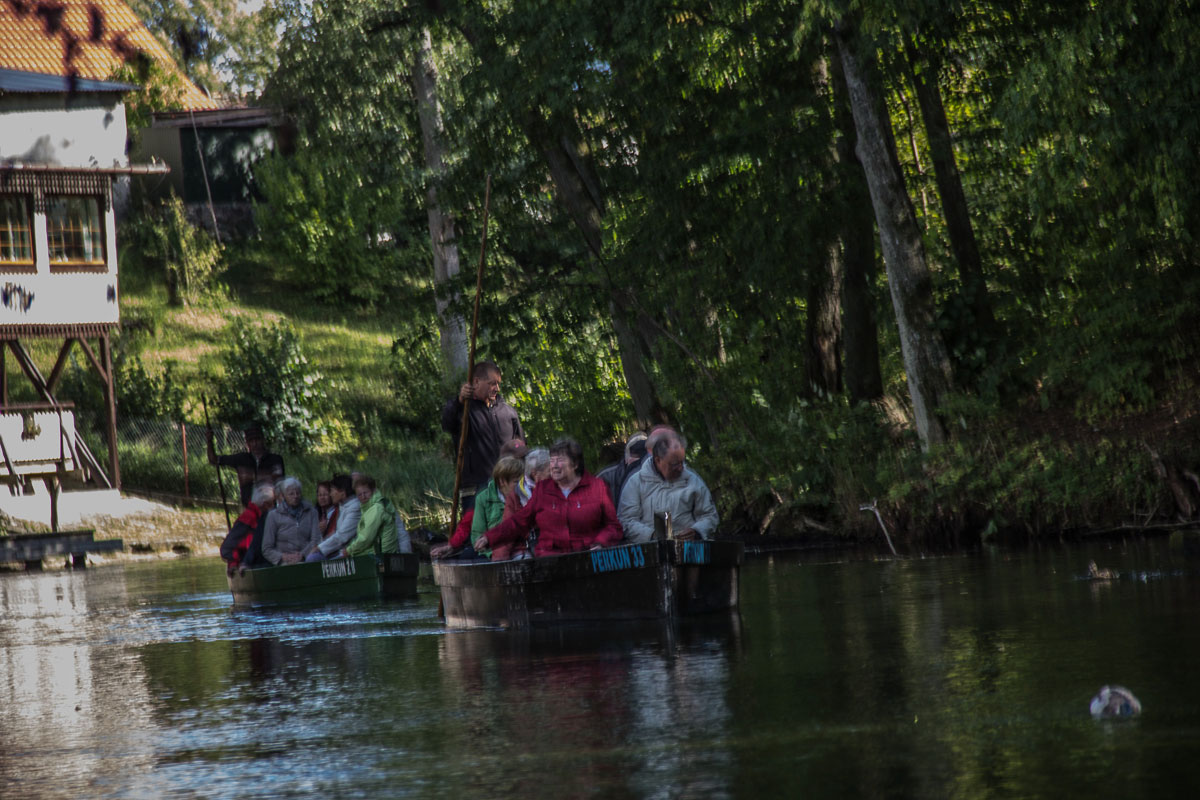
[{"x": 59, "y": 364}]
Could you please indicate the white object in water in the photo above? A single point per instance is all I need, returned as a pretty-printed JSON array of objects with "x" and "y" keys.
[{"x": 1114, "y": 701}]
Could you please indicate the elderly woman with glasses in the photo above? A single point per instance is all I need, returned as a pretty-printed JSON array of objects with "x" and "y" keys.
[{"x": 571, "y": 511}]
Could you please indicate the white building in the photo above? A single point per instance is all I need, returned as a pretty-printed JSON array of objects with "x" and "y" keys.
[{"x": 63, "y": 141}]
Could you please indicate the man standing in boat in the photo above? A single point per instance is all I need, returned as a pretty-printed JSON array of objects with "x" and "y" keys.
[
  {"x": 664, "y": 483},
  {"x": 253, "y": 465},
  {"x": 493, "y": 422}
]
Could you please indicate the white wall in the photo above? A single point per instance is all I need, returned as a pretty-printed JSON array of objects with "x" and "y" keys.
[{"x": 83, "y": 131}]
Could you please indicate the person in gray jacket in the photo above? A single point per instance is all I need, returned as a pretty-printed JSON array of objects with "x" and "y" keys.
[
  {"x": 291, "y": 527},
  {"x": 665, "y": 483},
  {"x": 341, "y": 491}
]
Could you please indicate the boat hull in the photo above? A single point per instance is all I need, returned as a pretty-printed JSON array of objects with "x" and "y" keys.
[
  {"x": 634, "y": 581},
  {"x": 366, "y": 577},
  {"x": 704, "y": 575}
]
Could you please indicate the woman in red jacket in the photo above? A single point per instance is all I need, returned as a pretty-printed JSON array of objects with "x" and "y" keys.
[{"x": 571, "y": 509}]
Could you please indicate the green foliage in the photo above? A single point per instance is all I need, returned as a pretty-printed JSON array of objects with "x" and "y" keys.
[
  {"x": 268, "y": 380},
  {"x": 416, "y": 367},
  {"x": 705, "y": 138},
  {"x": 224, "y": 45},
  {"x": 565, "y": 381},
  {"x": 333, "y": 236},
  {"x": 141, "y": 394},
  {"x": 162, "y": 241}
]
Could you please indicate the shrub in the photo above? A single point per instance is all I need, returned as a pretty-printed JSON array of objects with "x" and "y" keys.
[
  {"x": 188, "y": 257},
  {"x": 268, "y": 380}
]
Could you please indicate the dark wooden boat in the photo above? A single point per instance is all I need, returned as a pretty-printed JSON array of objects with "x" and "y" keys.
[
  {"x": 366, "y": 577},
  {"x": 653, "y": 580},
  {"x": 704, "y": 575}
]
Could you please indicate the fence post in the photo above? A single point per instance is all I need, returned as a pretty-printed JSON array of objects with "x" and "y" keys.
[{"x": 183, "y": 435}]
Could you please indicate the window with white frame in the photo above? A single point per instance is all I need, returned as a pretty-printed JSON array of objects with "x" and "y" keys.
[
  {"x": 16, "y": 231},
  {"x": 75, "y": 231}
]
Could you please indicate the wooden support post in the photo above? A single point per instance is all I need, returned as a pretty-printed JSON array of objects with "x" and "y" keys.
[
  {"x": 52, "y": 489},
  {"x": 61, "y": 362},
  {"x": 78, "y": 560},
  {"x": 110, "y": 403},
  {"x": 183, "y": 436}
]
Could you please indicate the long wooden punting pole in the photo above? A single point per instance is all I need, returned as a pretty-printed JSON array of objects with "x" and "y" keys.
[
  {"x": 220, "y": 483},
  {"x": 466, "y": 420}
]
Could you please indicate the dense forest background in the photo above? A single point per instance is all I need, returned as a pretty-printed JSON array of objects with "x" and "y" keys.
[{"x": 933, "y": 257}]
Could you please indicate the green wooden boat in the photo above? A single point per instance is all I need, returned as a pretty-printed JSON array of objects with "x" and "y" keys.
[{"x": 339, "y": 580}]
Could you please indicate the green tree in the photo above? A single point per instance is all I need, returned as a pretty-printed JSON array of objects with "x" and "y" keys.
[{"x": 268, "y": 380}]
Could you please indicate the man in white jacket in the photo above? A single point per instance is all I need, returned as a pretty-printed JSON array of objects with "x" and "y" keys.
[{"x": 665, "y": 483}]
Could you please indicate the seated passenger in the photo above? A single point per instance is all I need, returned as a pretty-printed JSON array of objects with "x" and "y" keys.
[
  {"x": 325, "y": 508},
  {"x": 665, "y": 483},
  {"x": 292, "y": 526},
  {"x": 242, "y": 547},
  {"x": 537, "y": 468},
  {"x": 377, "y": 521},
  {"x": 614, "y": 476},
  {"x": 341, "y": 492},
  {"x": 458, "y": 546},
  {"x": 490, "y": 506},
  {"x": 572, "y": 511}
]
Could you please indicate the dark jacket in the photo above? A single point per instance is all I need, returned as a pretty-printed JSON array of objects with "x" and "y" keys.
[
  {"x": 250, "y": 471},
  {"x": 243, "y": 544},
  {"x": 615, "y": 475},
  {"x": 583, "y": 518},
  {"x": 489, "y": 429}
]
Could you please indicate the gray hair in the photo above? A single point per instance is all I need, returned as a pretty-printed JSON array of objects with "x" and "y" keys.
[
  {"x": 637, "y": 437},
  {"x": 535, "y": 460},
  {"x": 264, "y": 494},
  {"x": 287, "y": 483},
  {"x": 665, "y": 441}
]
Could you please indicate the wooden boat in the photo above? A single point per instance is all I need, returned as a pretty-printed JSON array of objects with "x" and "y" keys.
[
  {"x": 653, "y": 580},
  {"x": 704, "y": 575},
  {"x": 366, "y": 577}
]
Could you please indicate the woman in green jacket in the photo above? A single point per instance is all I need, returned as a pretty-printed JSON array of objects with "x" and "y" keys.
[
  {"x": 489, "y": 504},
  {"x": 378, "y": 520}
]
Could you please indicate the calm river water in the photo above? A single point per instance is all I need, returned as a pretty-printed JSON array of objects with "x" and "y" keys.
[{"x": 963, "y": 676}]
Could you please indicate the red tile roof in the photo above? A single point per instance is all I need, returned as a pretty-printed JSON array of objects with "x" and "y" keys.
[{"x": 38, "y": 35}]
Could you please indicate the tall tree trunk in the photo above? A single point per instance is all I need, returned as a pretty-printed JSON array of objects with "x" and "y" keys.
[
  {"x": 923, "y": 73},
  {"x": 441, "y": 223},
  {"x": 823, "y": 296},
  {"x": 860, "y": 333},
  {"x": 579, "y": 192},
  {"x": 823, "y": 327},
  {"x": 926, "y": 364}
]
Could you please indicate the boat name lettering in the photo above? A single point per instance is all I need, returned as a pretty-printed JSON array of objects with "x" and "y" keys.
[
  {"x": 622, "y": 558},
  {"x": 695, "y": 553},
  {"x": 341, "y": 568}
]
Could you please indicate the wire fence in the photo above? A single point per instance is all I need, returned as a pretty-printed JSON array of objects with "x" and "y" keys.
[{"x": 166, "y": 456}]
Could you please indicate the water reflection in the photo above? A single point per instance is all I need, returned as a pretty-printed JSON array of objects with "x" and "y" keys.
[
  {"x": 956, "y": 676},
  {"x": 57, "y": 690}
]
